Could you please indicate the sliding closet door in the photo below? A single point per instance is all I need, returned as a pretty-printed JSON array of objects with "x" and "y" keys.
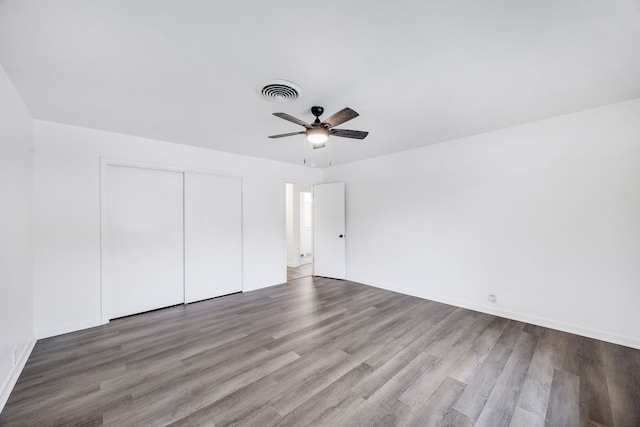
[
  {"x": 213, "y": 236},
  {"x": 145, "y": 239}
]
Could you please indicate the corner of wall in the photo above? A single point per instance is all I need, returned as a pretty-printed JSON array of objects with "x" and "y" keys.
[
  {"x": 10, "y": 382},
  {"x": 16, "y": 247}
]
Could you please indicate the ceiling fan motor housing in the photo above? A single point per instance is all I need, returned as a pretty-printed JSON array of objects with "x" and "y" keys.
[{"x": 317, "y": 111}]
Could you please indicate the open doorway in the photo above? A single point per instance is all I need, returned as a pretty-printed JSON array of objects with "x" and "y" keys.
[{"x": 299, "y": 230}]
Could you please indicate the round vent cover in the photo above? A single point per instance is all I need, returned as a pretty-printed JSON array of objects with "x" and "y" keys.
[{"x": 280, "y": 91}]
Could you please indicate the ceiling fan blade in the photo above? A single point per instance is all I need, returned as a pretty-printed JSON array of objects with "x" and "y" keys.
[
  {"x": 292, "y": 119},
  {"x": 346, "y": 133},
  {"x": 340, "y": 117},
  {"x": 282, "y": 135}
]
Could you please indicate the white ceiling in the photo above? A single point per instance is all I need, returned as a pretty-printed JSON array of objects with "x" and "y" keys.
[{"x": 418, "y": 72}]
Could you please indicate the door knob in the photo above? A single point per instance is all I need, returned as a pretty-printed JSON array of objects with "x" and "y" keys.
[{"x": 341, "y": 236}]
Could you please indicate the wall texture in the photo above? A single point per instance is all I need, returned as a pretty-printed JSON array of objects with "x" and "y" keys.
[
  {"x": 16, "y": 276},
  {"x": 546, "y": 216},
  {"x": 67, "y": 215}
]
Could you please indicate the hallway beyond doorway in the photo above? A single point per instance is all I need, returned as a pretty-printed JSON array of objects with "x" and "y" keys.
[
  {"x": 299, "y": 230},
  {"x": 297, "y": 272}
]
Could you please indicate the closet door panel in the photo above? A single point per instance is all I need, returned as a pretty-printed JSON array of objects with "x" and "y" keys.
[
  {"x": 213, "y": 236},
  {"x": 145, "y": 239}
]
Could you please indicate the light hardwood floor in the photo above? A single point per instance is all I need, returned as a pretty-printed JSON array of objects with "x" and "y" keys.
[
  {"x": 324, "y": 352},
  {"x": 303, "y": 270}
]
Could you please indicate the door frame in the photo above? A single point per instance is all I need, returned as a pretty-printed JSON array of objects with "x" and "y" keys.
[
  {"x": 105, "y": 162},
  {"x": 284, "y": 219}
]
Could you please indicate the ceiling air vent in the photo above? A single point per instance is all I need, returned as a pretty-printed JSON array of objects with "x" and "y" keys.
[{"x": 280, "y": 91}]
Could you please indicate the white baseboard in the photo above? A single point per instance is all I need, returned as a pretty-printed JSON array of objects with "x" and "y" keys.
[
  {"x": 15, "y": 374},
  {"x": 52, "y": 332},
  {"x": 521, "y": 317}
]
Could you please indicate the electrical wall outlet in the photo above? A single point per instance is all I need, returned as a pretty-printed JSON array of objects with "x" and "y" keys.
[{"x": 492, "y": 299}]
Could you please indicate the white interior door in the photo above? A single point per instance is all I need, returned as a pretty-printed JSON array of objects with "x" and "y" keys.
[
  {"x": 213, "y": 236},
  {"x": 145, "y": 239},
  {"x": 329, "y": 230}
]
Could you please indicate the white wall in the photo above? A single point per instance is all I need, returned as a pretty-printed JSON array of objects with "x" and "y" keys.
[
  {"x": 545, "y": 215},
  {"x": 16, "y": 277},
  {"x": 67, "y": 215},
  {"x": 292, "y": 258}
]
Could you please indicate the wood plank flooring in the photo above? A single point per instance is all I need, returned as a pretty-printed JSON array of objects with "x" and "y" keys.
[
  {"x": 324, "y": 352},
  {"x": 303, "y": 270}
]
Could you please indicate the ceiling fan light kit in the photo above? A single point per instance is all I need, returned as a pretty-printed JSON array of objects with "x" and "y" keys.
[
  {"x": 317, "y": 136},
  {"x": 318, "y": 132}
]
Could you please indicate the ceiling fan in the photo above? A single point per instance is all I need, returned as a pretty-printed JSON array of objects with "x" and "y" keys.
[{"x": 318, "y": 132}]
